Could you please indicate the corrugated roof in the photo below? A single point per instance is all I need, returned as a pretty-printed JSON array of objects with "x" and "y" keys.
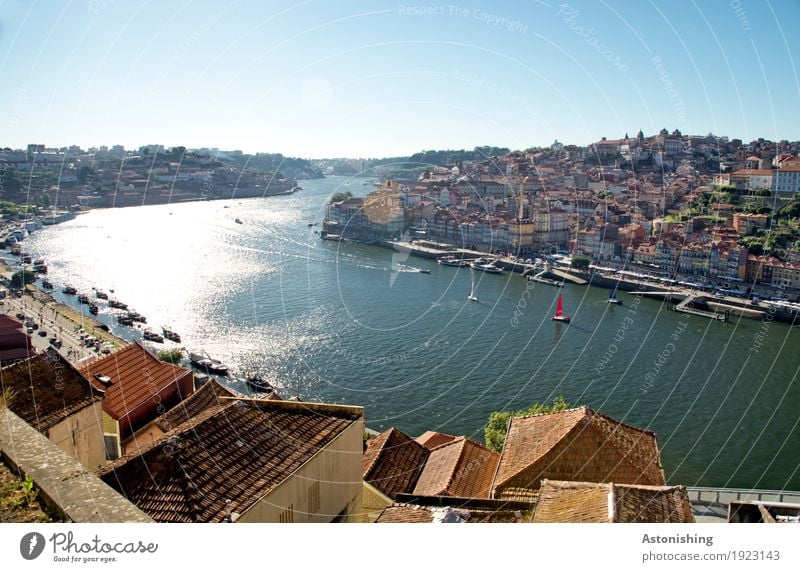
[
  {"x": 564, "y": 501},
  {"x": 136, "y": 376},
  {"x": 393, "y": 462},
  {"x": 530, "y": 438},
  {"x": 46, "y": 389},
  {"x": 239, "y": 450},
  {"x": 460, "y": 468}
]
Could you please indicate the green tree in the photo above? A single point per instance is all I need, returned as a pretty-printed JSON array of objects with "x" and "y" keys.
[
  {"x": 581, "y": 262},
  {"x": 340, "y": 197},
  {"x": 83, "y": 173},
  {"x": 22, "y": 277},
  {"x": 174, "y": 355},
  {"x": 763, "y": 193},
  {"x": 496, "y": 428}
]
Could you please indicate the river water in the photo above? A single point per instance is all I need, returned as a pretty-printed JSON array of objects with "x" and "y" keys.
[{"x": 357, "y": 324}]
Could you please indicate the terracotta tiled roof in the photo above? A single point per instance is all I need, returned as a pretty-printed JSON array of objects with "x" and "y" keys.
[
  {"x": 461, "y": 468},
  {"x": 582, "y": 435},
  {"x": 136, "y": 375},
  {"x": 239, "y": 450},
  {"x": 412, "y": 513},
  {"x": 207, "y": 396},
  {"x": 432, "y": 439},
  {"x": 393, "y": 462},
  {"x": 46, "y": 389},
  {"x": 563, "y": 501}
]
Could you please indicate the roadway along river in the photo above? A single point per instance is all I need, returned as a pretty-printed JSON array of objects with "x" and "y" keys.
[{"x": 356, "y": 324}]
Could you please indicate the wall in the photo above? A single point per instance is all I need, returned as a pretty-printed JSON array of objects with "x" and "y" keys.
[
  {"x": 81, "y": 435},
  {"x": 63, "y": 483},
  {"x": 336, "y": 469}
]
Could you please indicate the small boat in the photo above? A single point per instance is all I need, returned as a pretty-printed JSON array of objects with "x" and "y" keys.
[
  {"x": 47, "y": 285},
  {"x": 83, "y": 299},
  {"x": 237, "y": 220},
  {"x": 206, "y": 363},
  {"x": 102, "y": 295},
  {"x": 560, "y": 317},
  {"x": 117, "y": 304},
  {"x": 543, "y": 280},
  {"x": 69, "y": 290},
  {"x": 258, "y": 383},
  {"x": 93, "y": 309},
  {"x": 486, "y": 267},
  {"x": 472, "y": 297},
  {"x": 452, "y": 261},
  {"x": 136, "y": 317},
  {"x": 170, "y": 334},
  {"x": 311, "y": 223},
  {"x": 612, "y": 298},
  {"x": 329, "y": 236},
  {"x": 152, "y": 336},
  {"x": 424, "y": 271},
  {"x": 124, "y": 320}
]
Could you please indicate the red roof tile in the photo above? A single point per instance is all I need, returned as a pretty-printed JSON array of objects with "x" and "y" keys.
[
  {"x": 461, "y": 468},
  {"x": 136, "y": 376},
  {"x": 239, "y": 450},
  {"x": 393, "y": 462},
  {"x": 432, "y": 439},
  {"x": 46, "y": 389}
]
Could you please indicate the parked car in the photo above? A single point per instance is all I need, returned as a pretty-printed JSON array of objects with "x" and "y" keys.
[
  {"x": 42, "y": 333},
  {"x": 55, "y": 342},
  {"x": 21, "y": 316}
]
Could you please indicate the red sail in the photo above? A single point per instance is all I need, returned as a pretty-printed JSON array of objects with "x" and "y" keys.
[{"x": 559, "y": 307}]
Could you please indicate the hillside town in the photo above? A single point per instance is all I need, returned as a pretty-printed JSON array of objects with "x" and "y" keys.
[
  {"x": 693, "y": 206},
  {"x": 74, "y": 178}
]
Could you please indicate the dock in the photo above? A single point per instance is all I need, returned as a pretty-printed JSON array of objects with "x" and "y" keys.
[{"x": 687, "y": 307}]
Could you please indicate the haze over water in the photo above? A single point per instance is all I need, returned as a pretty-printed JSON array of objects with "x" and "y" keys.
[{"x": 357, "y": 324}]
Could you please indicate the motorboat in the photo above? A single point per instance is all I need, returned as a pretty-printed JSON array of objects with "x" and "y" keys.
[
  {"x": 102, "y": 295},
  {"x": 424, "y": 271},
  {"x": 486, "y": 267},
  {"x": 47, "y": 285},
  {"x": 124, "y": 320},
  {"x": 612, "y": 298},
  {"x": 136, "y": 317},
  {"x": 170, "y": 334},
  {"x": 152, "y": 336},
  {"x": 258, "y": 383},
  {"x": 203, "y": 361},
  {"x": 452, "y": 261},
  {"x": 83, "y": 299},
  {"x": 117, "y": 304},
  {"x": 93, "y": 309},
  {"x": 69, "y": 290}
]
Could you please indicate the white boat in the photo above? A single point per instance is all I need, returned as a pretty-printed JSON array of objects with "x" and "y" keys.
[
  {"x": 204, "y": 362},
  {"x": 486, "y": 267},
  {"x": 452, "y": 261},
  {"x": 472, "y": 297},
  {"x": 612, "y": 298}
]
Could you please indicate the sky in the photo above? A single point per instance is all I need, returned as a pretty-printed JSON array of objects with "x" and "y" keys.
[{"x": 373, "y": 78}]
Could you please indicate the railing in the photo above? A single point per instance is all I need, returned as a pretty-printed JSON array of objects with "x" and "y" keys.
[{"x": 706, "y": 495}]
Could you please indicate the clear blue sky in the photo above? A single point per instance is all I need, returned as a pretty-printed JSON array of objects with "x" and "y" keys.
[{"x": 374, "y": 78}]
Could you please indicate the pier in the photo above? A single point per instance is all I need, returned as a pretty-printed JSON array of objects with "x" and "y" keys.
[{"x": 687, "y": 307}]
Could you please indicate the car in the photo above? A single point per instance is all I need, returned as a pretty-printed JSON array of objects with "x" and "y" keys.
[
  {"x": 55, "y": 342},
  {"x": 29, "y": 330},
  {"x": 42, "y": 333},
  {"x": 21, "y": 316}
]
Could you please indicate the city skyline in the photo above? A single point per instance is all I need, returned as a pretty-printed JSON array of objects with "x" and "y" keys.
[{"x": 390, "y": 79}]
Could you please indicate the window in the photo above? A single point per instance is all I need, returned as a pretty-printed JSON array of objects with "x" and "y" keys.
[{"x": 287, "y": 515}]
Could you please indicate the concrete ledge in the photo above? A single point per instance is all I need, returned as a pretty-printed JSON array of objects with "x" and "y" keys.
[{"x": 63, "y": 483}]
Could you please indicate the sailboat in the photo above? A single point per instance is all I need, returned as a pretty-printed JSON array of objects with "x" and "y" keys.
[
  {"x": 560, "y": 317},
  {"x": 612, "y": 298},
  {"x": 472, "y": 297}
]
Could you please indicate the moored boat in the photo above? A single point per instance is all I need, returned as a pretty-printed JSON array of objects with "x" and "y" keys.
[
  {"x": 452, "y": 261},
  {"x": 208, "y": 364},
  {"x": 102, "y": 295},
  {"x": 93, "y": 309},
  {"x": 117, "y": 304},
  {"x": 258, "y": 383},
  {"x": 83, "y": 298},
  {"x": 170, "y": 334},
  {"x": 69, "y": 290},
  {"x": 47, "y": 285},
  {"x": 486, "y": 267},
  {"x": 152, "y": 336}
]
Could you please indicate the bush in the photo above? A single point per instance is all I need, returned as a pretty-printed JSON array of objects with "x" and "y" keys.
[
  {"x": 496, "y": 428},
  {"x": 173, "y": 356}
]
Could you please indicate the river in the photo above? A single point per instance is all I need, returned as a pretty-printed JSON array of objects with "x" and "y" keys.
[{"x": 357, "y": 324}]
